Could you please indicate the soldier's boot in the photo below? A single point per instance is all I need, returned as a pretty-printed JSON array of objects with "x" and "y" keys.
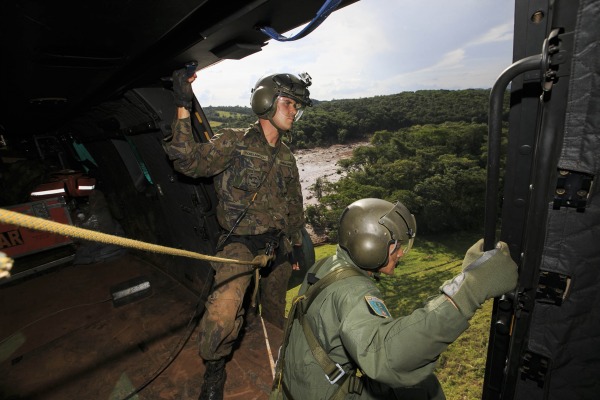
[{"x": 214, "y": 380}]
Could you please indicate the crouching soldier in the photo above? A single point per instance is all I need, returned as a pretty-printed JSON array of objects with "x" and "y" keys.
[{"x": 341, "y": 342}]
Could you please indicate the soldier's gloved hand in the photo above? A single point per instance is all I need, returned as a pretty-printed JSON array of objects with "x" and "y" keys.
[
  {"x": 182, "y": 89},
  {"x": 485, "y": 275}
]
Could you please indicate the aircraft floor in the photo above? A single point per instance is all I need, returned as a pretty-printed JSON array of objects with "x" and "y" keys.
[{"x": 62, "y": 338}]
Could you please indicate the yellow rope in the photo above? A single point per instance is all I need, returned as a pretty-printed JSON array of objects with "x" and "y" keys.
[
  {"x": 6, "y": 263},
  {"x": 41, "y": 224}
]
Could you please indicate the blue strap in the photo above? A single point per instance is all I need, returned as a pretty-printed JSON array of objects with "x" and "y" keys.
[{"x": 322, "y": 14}]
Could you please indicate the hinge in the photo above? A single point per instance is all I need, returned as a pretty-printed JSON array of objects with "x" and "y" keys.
[{"x": 572, "y": 190}]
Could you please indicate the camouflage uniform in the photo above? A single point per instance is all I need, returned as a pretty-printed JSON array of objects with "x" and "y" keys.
[
  {"x": 355, "y": 329},
  {"x": 246, "y": 170}
]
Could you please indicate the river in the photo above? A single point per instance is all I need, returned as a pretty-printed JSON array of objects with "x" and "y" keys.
[{"x": 321, "y": 162}]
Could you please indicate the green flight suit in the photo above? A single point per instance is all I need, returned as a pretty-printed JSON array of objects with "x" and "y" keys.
[
  {"x": 246, "y": 171},
  {"x": 391, "y": 352}
]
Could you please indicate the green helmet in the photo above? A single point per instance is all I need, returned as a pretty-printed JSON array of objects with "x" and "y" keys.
[
  {"x": 368, "y": 226},
  {"x": 270, "y": 87}
]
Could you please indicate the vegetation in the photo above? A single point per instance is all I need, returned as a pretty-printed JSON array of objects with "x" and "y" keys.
[
  {"x": 229, "y": 117},
  {"x": 432, "y": 260},
  {"x": 344, "y": 121},
  {"x": 437, "y": 171}
]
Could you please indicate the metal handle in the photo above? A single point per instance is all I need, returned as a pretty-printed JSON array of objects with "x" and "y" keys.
[{"x": 494, "y": 133}]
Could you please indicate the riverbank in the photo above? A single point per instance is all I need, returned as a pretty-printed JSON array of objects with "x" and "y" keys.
[{"x": 321, "y": 162}]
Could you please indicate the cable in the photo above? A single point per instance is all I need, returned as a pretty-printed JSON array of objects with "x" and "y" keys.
[{"x": 271, "y": 361}]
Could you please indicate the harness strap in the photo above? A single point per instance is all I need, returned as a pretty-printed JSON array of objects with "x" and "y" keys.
[
  {"x": 334, "y": 372},
  {"x": 300, "y": 305},
  {"x": 286, "y": 335},
  {"x": 335, "y": 275}
]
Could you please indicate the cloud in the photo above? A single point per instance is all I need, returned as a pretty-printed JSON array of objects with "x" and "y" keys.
[
  {"x": 500, "y": 33},
  {"x": 451, "y": 59},
  {"x": 368, "y": 49}
]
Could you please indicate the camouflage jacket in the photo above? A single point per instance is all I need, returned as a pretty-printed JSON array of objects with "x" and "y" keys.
[{"x": 244, "y": 166}]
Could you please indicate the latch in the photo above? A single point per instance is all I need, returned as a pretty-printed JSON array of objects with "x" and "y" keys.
[
  {"x": 534, "y": 367},
  {"x": 553, "y": 288},
  {"x": 572, "y": 190},
  {"x": 556, "y": 54}
]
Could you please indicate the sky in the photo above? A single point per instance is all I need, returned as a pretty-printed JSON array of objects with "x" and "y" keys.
[{"x": 379, "y": 47}]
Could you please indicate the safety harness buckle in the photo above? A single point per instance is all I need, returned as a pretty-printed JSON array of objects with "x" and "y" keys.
[{"x": 337, "y": 375}]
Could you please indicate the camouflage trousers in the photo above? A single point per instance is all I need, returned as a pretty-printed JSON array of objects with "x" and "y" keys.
[{"x": 224, "y": 313}]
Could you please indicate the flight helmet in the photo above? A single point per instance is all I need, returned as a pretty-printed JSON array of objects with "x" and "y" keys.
[
  {"x": 270, "y": 87},
  {"x": 368, "y": 226}
]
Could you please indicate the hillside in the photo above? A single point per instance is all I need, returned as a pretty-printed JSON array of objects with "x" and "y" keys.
[{"x": 350, "y": 120}]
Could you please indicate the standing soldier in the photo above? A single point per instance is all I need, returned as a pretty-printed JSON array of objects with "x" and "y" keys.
[
  {"x": 341, "y": 342},
  {"x": 260, "y": 207}
]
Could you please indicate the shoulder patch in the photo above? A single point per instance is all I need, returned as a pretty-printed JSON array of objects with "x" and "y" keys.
[{"x": 378, "y": 306}]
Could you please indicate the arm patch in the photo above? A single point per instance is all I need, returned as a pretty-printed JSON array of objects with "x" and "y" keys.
[{"x": 378, "y": 306}]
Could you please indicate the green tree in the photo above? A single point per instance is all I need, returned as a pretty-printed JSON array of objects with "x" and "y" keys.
[{"x": 436, "y": 170}]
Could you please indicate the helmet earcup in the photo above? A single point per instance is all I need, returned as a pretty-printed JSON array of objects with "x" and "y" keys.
[{"x": 262, "y": 100}]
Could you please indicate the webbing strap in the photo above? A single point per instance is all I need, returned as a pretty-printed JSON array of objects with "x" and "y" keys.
[
  {"x": 333, "y": 371},
  {"x": 286, "y": 334},
  {"x": 335, "y": 275},
  {"x": 299, "y": 307}
]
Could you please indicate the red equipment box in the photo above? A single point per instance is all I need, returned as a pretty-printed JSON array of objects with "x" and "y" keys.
[{"x": 17, "y": 241}]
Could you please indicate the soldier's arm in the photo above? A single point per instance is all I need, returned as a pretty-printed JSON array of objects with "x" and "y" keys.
[
  {"x": 403, "y": 351},
  {"x": 189, "y": 157},
  {"x": 196, "y": 159}
]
